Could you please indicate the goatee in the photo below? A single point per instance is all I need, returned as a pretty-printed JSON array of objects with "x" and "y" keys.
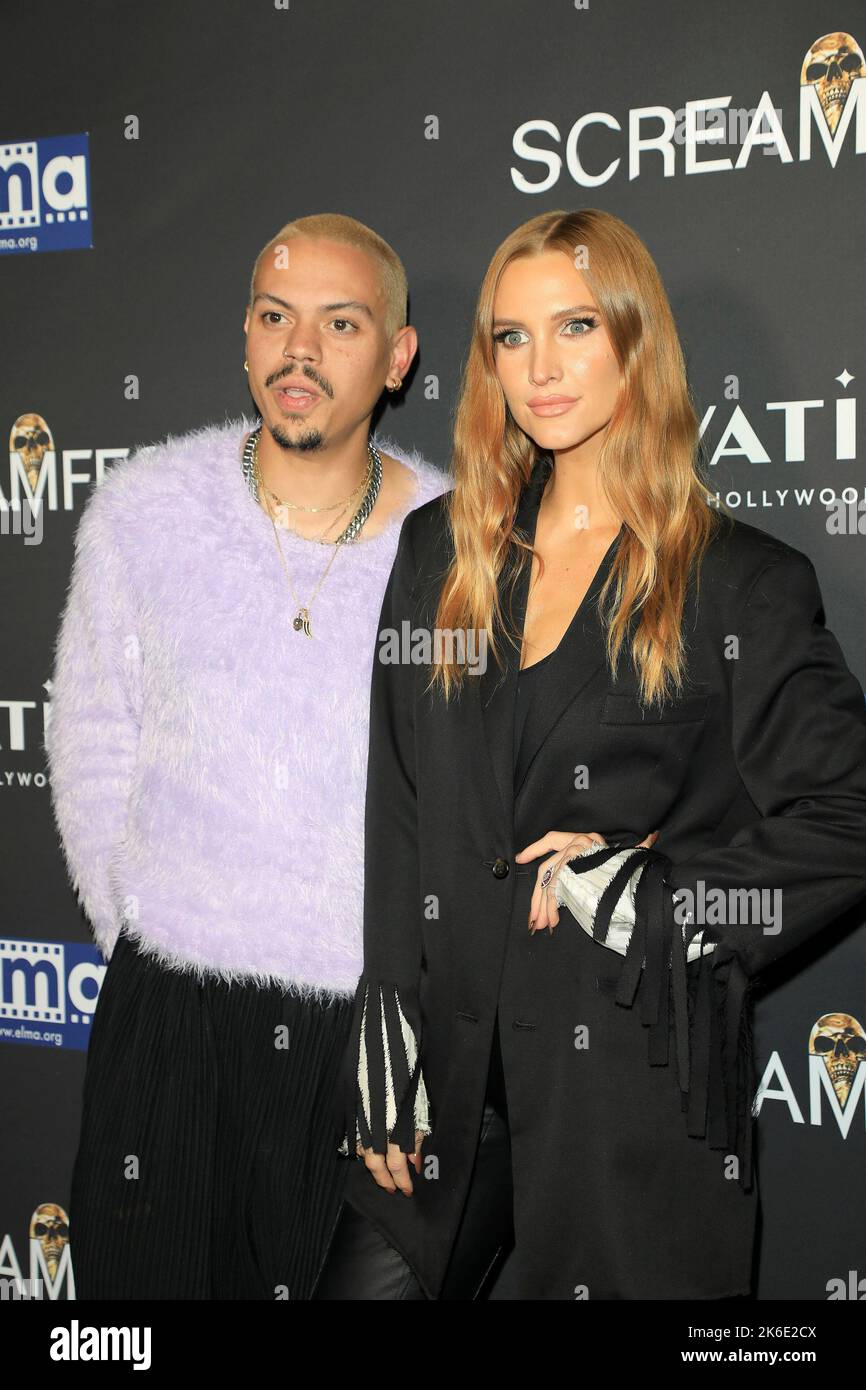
[{"x": 303, "y": 444}]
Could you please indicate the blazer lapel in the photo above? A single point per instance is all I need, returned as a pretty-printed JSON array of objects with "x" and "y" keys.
[{"x": 576, "y": 661}]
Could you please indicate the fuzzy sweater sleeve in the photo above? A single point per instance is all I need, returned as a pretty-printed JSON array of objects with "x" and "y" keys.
[{"x": 92, "y": 734}]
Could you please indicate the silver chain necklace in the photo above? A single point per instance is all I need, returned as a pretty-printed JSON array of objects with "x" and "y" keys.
[{"x": 301, "y": 622}]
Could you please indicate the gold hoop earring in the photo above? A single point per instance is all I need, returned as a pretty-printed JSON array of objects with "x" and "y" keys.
[
  {"x": 246, "y": 366},
  {"x": 397, "y": 384}
]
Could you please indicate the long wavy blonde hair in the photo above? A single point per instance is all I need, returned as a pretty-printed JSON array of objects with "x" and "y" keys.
[{"x": 648, "y": 466}]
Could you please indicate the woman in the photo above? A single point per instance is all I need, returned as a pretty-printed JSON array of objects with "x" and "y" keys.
[{"x": 661, "y": 682}]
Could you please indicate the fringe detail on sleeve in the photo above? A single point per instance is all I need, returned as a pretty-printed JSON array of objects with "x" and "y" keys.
[
  {"x": 712, "y": 1030},
  {"x": 387, "y": 1099}
]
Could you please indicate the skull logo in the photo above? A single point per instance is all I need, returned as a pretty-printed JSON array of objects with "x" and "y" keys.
[
  {"x": 831, "y": 65},
  {"x": 49, "y": 1225},
  {"x": 30, "y": 438},
  {"x": 840, "y": 1040}
]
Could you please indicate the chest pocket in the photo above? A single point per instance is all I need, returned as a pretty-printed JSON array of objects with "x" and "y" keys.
[{"x": 621, "y": 708}]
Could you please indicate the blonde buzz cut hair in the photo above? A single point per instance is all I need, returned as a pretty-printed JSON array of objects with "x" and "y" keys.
[{"x": 334, "y": 226}]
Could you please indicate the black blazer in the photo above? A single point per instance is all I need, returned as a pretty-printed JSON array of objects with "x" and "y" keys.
[{"x": 755, "y": 777}]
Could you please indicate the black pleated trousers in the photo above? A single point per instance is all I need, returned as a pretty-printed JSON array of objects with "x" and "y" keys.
[{"x": 207, "y": 1165}]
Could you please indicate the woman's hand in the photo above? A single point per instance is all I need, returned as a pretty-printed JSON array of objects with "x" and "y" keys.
[
  {"x": 543, "y": 910},
  {"x": 391, "y": 1170}
]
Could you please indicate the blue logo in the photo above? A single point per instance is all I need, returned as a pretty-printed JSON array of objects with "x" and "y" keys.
[
  {"x": 48, "y": 992},
  {"x": 45, "y": 194}
]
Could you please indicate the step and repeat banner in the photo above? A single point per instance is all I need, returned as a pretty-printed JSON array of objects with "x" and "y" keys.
[{"x": 147, "y": 152}]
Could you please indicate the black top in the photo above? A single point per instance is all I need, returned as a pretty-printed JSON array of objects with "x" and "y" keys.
[{"x": 527, "y": 684}]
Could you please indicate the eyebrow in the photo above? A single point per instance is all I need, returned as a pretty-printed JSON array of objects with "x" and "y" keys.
[
  {"x": 558, "y": 314},
  {"x": 343, "y": 304}
]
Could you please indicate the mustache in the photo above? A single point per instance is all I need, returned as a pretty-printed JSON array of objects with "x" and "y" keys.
[{"x": 302, "y": 371}]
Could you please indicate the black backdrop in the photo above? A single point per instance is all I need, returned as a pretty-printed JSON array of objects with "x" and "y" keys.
[{"x": 201, "y": 129}]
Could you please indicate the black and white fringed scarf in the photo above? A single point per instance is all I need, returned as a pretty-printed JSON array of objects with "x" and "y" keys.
[
  {"x": 712, "y": 1023},
  {"x": 712, "y": 1020},
  {"x": 388, "y": 1098}
]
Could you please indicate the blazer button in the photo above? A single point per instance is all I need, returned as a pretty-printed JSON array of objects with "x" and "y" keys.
[{"x": 500, "y": 868}]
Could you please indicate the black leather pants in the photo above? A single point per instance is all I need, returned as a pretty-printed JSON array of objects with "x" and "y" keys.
[{"x": 360, "y": 1263}]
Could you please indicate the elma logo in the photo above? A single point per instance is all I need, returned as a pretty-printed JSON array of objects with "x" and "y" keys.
[
  {"x": 48, "y": 992},
  {"x": 45, "y": 194}
]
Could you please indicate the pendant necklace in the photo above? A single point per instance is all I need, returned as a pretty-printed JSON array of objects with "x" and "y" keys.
[{"x": 256, "y": 484}]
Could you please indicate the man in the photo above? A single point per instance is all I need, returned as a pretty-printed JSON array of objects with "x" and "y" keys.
[{"x": 207, "y": 752}]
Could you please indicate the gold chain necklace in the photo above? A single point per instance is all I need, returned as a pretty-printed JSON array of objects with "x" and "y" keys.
[
  {"x": 296, "y": 506},
  {"x": 320, "y": 538},
  {"x": 301, "y": 622}
]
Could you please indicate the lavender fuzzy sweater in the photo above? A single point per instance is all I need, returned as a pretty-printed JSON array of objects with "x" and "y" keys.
[{"x": 208, "y": 762}]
